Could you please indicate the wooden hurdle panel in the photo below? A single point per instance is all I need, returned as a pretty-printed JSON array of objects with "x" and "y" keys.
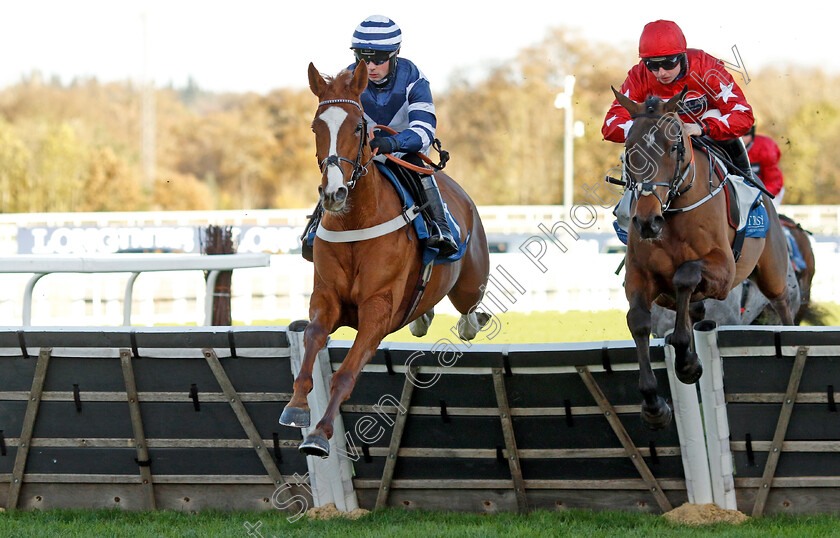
[
  {"x": 488, "y": 428},
  {"x": 784, "y": 423},
  {"x": 151, "y": 418}
]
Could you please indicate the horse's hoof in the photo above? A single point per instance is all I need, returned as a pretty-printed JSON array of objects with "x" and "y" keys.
[
  {"x": 315, "y": 445},
  {"x": 692, "y": 370},
  {"x": 296, "y": 417},
  {"x": 659, "y": 419}
]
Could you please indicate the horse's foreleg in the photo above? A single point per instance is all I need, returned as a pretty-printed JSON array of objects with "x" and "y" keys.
[
  {"x": 374, "y": 320},
  {"x": 686, "y": 363},
  {"x": 655, "y": 411},
  {"x": 326, "y": 314}
]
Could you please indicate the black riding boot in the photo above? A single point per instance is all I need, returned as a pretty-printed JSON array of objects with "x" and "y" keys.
[
  {"x": 311, "y": 226},
  {"x": 738, "y": 155},
  {"x": 441, "y": 237}
]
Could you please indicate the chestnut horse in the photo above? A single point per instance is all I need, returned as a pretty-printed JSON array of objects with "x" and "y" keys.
[
  {"x": 679, "y": 242},
  {"x": 368, "y": 284}
]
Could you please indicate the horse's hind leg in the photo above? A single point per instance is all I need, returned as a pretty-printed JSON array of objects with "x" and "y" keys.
[
  {"x": 686, "y": 363},
  {"x": 771, "y": 269},
  {"x": 420, "y": 326}
]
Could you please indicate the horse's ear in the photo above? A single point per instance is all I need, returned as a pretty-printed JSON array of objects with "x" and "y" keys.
[
  {"x": 316, "y": 82},
  {"x": 632, "y": 106},
  {"x": 360, "y": 79},
  {"x": 674, "y": 102}
]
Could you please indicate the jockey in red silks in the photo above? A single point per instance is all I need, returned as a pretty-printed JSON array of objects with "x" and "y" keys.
[
  {"x": 714, "y": 107},
  {"x": 764, "y": 156}
]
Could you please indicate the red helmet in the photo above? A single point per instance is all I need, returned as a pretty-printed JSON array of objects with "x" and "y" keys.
[{"x": 661, "y": 38}]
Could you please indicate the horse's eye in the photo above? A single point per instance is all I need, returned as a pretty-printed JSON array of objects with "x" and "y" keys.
[
  {"x": 358, "y": 128},
  {"x": 673, "y": 149}
]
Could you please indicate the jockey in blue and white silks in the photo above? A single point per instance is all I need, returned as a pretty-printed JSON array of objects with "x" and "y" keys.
[{"x": 398, "y": 95}]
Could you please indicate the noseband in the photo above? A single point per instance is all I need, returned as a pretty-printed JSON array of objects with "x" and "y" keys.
[
  {"x": 643, "y": 188},
  {"x": 359, "y": 169}
]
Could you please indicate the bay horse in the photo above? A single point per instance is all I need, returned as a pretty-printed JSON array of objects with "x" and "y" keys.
[
  {"x": 368, "y": 284},
  {"x": 679, "y": 242}
]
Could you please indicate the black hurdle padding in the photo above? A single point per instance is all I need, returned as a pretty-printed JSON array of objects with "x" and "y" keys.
[
  {"x": 654, "y": 457},
  {"x": 247, "y": 374},
  {"x": 500, "y": 455},
  {"x": 621, "y": 387},
  {"x": 832, "y": 406},
  {"x": 763, "y": 374},
  {"x": 750, "y": 453},
  {"x": 96, "y": 374},
  {"x": 194, "y": 396},
  {"x": 2, "y": 444},
  {"x": 366, "y": 453},
  {"x": 808, "y": 421},
  {"x": 252, "y": 337},
  {"x": 777, "y": 341},
  {"x": 77, "y": 397},
  {"x": 584, "y": 354},
  {"x": 811, "y": 338},
  {"x": 17, "y": 374},
  {"x": 143, "y": 463},
  {"x": 443, "y": 414},
  {"x": 567, "y": 404},
  {"x": 744, "y": 337}
]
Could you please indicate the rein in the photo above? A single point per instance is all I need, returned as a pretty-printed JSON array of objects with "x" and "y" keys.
[{"x": 359, "y": 169}]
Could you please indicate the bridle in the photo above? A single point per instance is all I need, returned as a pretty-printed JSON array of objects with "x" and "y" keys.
[
  {"x": 643, "y": 188},
  {"x": 359, "y": 169}
]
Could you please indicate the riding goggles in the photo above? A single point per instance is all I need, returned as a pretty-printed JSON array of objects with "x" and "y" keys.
[
  {"x": 667, "y": 63},
  {"x": 378, "y": 57}
]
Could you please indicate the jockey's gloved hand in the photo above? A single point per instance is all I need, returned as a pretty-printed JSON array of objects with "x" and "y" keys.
[{"x": 385, "y": 144}]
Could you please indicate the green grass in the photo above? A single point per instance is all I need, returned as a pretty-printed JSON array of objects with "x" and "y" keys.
[
  {"x": 394, "y": 522},
  {"x": 543, "y": 327}
]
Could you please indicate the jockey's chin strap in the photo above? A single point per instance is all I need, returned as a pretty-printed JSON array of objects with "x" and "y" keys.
[
  {"x": 646, "y": 188},
  {"x": 359, "y": 169}
]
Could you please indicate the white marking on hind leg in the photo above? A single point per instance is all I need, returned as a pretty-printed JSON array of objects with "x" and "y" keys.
[
  {"x": 420, "y": 326},
  {"x": 470, "y": 324}
]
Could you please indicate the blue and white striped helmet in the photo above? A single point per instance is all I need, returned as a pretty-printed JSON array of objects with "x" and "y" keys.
[{"x": 377, "y": 32}]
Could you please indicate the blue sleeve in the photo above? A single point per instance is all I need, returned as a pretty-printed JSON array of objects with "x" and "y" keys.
[{"x": 421, "y": 118}]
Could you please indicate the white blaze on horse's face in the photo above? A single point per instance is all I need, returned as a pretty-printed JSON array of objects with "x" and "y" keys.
[{"x": 334, "y": 117}]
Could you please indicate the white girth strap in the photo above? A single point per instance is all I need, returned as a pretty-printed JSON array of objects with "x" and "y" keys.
[{"x": 349, "y": 236}]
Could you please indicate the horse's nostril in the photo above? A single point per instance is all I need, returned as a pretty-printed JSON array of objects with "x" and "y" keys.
[{"x": 341, "y": 194}]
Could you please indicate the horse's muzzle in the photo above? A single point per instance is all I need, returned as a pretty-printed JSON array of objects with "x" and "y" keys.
[
  {"x": 649, "y": 228},
  {"x": 334, "y": 201}
]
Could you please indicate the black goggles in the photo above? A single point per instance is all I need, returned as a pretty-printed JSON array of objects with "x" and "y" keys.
[
  {"x": 667, "y": 63},
  {"x": 378, "y": 57}
]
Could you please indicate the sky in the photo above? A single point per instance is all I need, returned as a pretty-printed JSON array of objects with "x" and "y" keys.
[{"x": 260, "y": 45}]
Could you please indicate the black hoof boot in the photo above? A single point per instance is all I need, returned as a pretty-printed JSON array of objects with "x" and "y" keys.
[
  {"x": 657, "y": 418},
  {"x": 296, "y": 417},
  {"x": 692, "y": 370},
  {"x": 315, "y": 445}
]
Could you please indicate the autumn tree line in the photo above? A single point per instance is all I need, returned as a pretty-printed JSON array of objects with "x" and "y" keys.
[{"x": 77, "y": 146}]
